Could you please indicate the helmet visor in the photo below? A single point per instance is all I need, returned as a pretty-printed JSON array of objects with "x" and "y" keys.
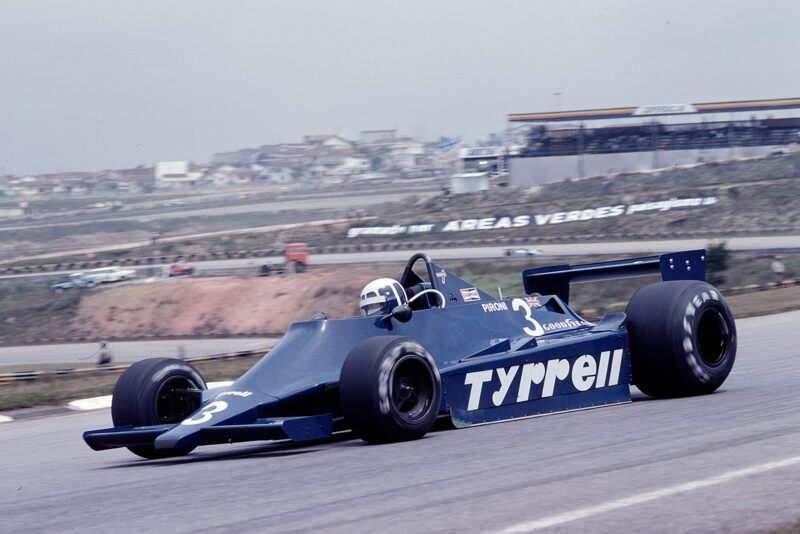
[{"x": 372, "y": 309}]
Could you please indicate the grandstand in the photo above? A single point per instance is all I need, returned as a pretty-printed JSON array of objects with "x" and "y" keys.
[{"x": 574, "y": 144}]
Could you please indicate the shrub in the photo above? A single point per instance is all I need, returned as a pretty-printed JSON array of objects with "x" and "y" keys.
[{"x": 717, "y": 256}]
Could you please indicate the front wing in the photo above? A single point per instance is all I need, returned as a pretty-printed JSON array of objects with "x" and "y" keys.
[{"x": 294, "y": 428}]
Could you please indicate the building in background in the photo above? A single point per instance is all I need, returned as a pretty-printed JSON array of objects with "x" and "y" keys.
[
  {"x": 478, "y": 167},
  {"x": 176, "y": 174},
  {"x": 380, "y": 155},
  {"x": 329, "y": 141},
  {"x": 583, "y": 143}
]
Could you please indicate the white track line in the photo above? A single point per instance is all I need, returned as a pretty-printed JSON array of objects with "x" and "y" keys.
[
  {"x": 609, "y": 506},
  {"x": 98, "y": 403},
  {"x": 5, "y": 419},
  {"x": 95, "y": 403}
]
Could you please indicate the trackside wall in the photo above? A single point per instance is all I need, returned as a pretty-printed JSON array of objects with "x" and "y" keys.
[{"x": 549, "y": 169}]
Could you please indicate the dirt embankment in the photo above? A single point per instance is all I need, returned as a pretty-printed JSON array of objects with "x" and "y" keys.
[{"x": 223, "y": 306}]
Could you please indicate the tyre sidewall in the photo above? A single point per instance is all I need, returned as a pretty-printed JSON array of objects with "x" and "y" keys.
[
  {"x": 365, "y": 390},
  {"x": 663, "y": 320},
  {"x": 685, "y": 320},
  {"x": 400, "y": 351},
  {"x": 136, "y": 391}
]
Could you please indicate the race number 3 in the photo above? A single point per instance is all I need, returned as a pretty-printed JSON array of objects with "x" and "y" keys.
[
  {"x": 537, "y": 330},
  {"x": 207, "y": 412}
]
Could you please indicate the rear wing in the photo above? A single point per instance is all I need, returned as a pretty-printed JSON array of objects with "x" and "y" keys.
[{"x": 555, "y": 279}]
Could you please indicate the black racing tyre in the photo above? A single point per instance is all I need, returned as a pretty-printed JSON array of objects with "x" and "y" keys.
[
  {"x": 682, "y": 338},
  {"x": 299, "y": 267},
  {"x": 149, "y": 393},
  {"x": 390, "y": 390}
]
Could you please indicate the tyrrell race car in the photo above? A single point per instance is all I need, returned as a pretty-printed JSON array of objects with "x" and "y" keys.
[{"x": 434, "y": 347}]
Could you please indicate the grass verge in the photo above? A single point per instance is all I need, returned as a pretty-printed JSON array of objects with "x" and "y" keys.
[{"x": 58, "y": 390}]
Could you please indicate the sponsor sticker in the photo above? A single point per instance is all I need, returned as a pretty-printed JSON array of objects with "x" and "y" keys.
[
  {"x": 489, "y": 307},
  {"x": 470, "y": 294},
  {"x": 564, "y": 325},
  {"x": 500, "y": 222},
  {"x": 442, "y": 275},
  {"x": 533, "y": 302},
  {"x": 539, "y": 380}
]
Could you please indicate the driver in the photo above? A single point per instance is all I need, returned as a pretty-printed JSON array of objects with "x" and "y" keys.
[{"x": 381, "y": 296}]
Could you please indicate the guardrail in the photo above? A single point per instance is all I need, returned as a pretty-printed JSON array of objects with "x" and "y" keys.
[
  {"x": 754, "y": 288},
  {"x": 145, "y": 261},
  {"x": 31, "y": 376},
  {"x": 382, "y": 247}
]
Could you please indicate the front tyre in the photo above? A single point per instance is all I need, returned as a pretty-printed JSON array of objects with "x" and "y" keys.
[
  {"x": 156, "y": 391},
  {"x": 390, "y": 390},
  {"x": 682, "y": 338}
]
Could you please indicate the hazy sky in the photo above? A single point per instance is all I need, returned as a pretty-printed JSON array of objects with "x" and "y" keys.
[{"x": 88, "y": 85}]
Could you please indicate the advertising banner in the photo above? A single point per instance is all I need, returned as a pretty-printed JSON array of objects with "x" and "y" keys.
[{"x": 510, "y": 221}]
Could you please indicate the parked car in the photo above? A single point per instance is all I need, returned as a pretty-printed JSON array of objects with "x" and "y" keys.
[
  {"x": 106, "y": 275},
  {"x": 522, "y": 252},
  {"x": 73, "y": 281},
  {"x": 180, "y": 269}
]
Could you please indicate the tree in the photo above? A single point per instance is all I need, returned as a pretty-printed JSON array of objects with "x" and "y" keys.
[{"x": 716, "y": 263}]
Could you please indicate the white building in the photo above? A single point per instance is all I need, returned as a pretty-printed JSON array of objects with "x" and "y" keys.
[
  {"x": 330, "y": 141},
  {"x": 406, "y": 155},
  {"x": 469, "y": 182},
  {"x": 351, "y": 165},
  {"x": 176, "y": 174},
  {"x": 277, "y": 174}
]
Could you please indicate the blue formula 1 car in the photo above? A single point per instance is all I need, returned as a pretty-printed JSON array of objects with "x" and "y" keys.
[{"x": 431, "y": 346}]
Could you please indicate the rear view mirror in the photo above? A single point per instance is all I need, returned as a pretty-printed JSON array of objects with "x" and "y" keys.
[{"x": 402, "y": 313}]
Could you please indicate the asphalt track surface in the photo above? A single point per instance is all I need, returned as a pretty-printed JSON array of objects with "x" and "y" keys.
[
  {"x": 573, "y": 249},
  {"x": 725, "y": 462},
  {"x": 312, "y": 203}
]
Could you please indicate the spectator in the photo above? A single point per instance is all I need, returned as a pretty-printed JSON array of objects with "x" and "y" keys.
[
  {"x": 104, "y": 356},
  {"x": 778, "y": 269}
]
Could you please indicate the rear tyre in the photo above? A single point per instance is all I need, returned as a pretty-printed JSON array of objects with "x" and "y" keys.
[
  {"x": 153, "y": 392},
  {"x": 390, "y": 390},
  {"x": 299, "y": 267},
  {"x": 682, "y": 338}
]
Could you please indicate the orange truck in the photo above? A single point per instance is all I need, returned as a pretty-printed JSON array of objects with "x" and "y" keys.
[{"x": 296, "y": 259}]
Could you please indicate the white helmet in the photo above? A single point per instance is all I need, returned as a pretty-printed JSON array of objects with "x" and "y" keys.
[{"x": 381, "y": 296}]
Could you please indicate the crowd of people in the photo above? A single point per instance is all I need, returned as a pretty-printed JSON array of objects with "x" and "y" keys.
[{"x": 549, "y": 141}]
